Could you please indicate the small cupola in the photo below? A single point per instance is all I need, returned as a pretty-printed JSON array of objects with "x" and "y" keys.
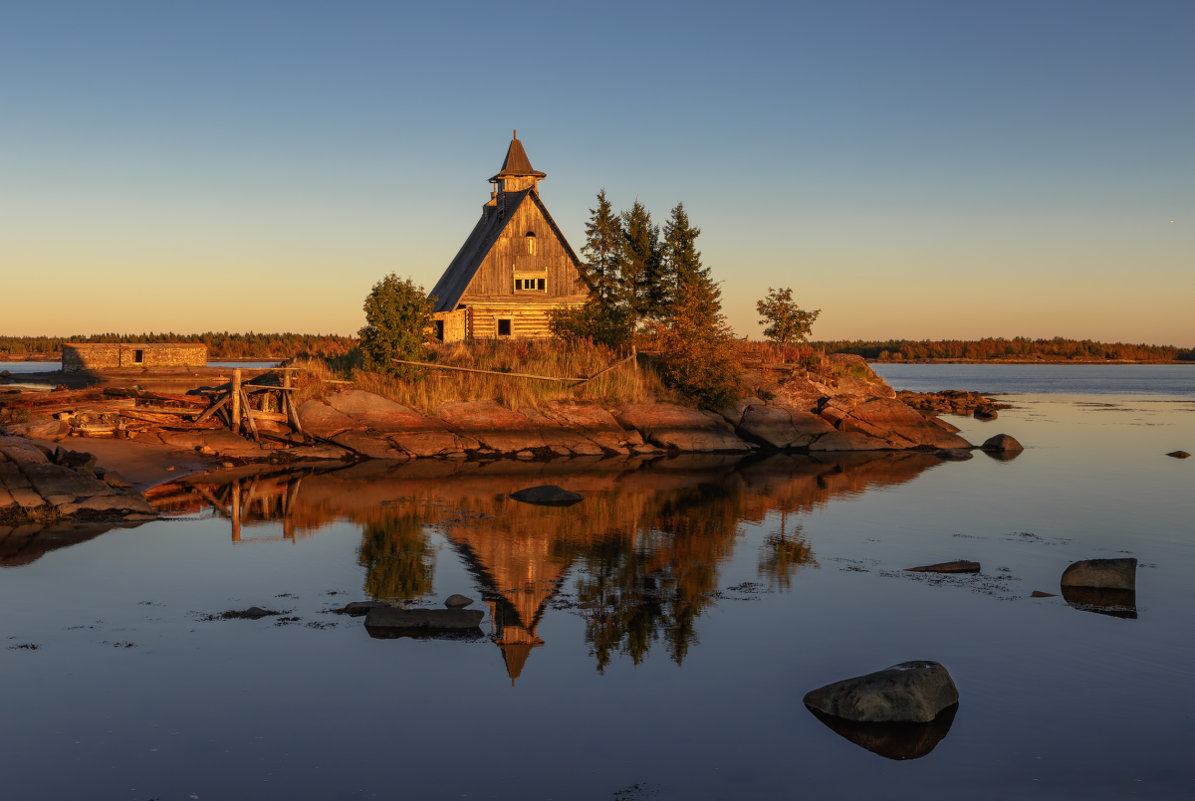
[{"x": 517, "y": 173}]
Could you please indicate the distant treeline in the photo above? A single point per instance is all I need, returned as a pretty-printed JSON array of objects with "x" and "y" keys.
[
  {"x": 1018, "y": 349},
  {"x": 220, "y": 344}
]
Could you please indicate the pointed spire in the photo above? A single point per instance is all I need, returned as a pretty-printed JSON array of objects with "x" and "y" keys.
[{"x": 516, "y": 162}]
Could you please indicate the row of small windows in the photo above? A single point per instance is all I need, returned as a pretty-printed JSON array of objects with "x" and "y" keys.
[{"x": 530, "y": 285}]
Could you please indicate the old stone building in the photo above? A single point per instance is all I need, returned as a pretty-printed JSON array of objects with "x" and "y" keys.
[
  {"x": 515, "y": 267},
  {"x": 132, "y": 356}
]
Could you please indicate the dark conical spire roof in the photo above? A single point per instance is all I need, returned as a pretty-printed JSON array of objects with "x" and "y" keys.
[{"x": 516, "y": 162}]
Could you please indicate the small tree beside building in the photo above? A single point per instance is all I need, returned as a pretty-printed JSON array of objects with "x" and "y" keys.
[{"x": 398, "y": 318}]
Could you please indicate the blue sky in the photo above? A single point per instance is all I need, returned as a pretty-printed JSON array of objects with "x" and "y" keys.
[{"x": 917, "y": 169}]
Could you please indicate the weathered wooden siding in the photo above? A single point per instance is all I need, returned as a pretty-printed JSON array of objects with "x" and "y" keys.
[
  {"x": 455, "y": 325},
  {"x": 510, "y": 258},
  {"x": 527, "y": 321}
]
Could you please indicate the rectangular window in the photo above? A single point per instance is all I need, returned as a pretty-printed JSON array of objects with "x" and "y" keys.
[
  {"x": 530, "y": 284},
  {"x": 440, "y": 330},
  {"x": 504, "y": 328},
  {"x": 138, "y": 356}
]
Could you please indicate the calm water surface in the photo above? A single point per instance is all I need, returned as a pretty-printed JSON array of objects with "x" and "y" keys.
[
  {"x": 652, "y": 642},
  {"x": 1071, "y": 379}
]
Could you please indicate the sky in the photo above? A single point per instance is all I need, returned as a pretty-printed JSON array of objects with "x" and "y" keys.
[{"x": 940, "y": 170}]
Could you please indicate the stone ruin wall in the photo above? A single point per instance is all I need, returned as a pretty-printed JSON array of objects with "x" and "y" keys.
[{"x": 111, "y": 356}]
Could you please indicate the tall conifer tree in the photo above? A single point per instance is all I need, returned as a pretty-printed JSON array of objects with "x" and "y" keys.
[
  {"x": 602, "y": 251},
  {"x": 641, "y": 279}
]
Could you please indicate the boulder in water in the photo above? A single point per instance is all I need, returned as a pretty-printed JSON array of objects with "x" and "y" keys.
[
  {"x": 911, "y": 692},
  {"x": 547, "y": 495}
]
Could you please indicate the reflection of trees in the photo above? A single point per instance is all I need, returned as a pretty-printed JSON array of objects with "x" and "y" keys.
[
  {"x": 781, "y": 553},
  {"x": 654, "y": 584},
  {"x": 399, "y": 561},
  {"x": 646, "y": 545}
]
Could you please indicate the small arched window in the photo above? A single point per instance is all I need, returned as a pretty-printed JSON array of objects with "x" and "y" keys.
[{"x": 530, "y": 238}]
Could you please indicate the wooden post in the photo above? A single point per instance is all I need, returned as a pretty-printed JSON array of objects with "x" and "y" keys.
[{"x": 236, "y": 400}]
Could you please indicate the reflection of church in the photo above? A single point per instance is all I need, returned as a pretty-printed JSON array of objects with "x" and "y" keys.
[
  {"x": 646, "y": 545},
  {"x": 518, "y": 575}
]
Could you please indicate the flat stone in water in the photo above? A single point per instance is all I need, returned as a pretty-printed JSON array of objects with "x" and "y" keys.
[
  {"x": 457, "y": 601},
  {"x": 957, "y": 566},
  {"x": 1179, "y": 454}
]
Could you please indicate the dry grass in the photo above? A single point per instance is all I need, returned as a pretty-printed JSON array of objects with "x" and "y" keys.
[{"x": 628, "y": 383}]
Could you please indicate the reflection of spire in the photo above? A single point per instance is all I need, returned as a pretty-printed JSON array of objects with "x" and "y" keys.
[{"x": 519, "y": 575}]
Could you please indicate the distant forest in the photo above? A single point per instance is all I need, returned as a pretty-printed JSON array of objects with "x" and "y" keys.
[
  {"x": 225, "y": 345},
  {"x": 1018, "y": 349},
  {"x": 220, "y": 344}
]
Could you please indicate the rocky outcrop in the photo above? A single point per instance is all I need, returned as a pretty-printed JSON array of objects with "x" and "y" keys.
[
  {"x": 845, "y": 407},
  {"x": 953, "y": 401},
  {"x": 682, "y": 428},
  {"x": 911, "y": 692},
  {"x": 44, "y": 485}
]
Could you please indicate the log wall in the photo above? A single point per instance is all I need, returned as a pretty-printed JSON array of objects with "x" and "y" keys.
[{"x": 526, "y": 320}]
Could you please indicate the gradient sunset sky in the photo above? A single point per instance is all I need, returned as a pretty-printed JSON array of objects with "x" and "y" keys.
[{"x": 914, "y": 169}]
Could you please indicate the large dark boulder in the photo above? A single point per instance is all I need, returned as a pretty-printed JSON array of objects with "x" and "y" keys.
[
  {"x": 911, "y": 692},
  {"x": 547, "y": 495}
]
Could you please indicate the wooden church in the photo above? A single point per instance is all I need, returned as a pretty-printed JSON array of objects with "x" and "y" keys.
[{"x": 515, "y": 267}]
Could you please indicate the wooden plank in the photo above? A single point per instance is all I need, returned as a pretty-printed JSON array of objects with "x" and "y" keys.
[
  {"x": 215, "y": 407},
  {"x": 249, "y": 417}
]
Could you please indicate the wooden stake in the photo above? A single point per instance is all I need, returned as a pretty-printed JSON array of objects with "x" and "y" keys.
[{"x": 235, "y": 392}]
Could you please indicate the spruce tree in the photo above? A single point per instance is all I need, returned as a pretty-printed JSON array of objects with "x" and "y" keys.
[
  {"x": 696, "y": 344},
  {"x": 641, "y": 280},
  {"x": 603, "y": 241}
]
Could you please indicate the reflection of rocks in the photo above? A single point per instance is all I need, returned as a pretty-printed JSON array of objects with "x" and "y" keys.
[
  {"x": 911, "y": 692},
  {"x": 957, "y": 566},
  {"x": 1117, "y": 603},
  {"x": 1110, "y": 574},
  {"x": 893, "y": 740},
  {"x": 547, "y": 495},
  {"x": 646, "y": 547}
]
